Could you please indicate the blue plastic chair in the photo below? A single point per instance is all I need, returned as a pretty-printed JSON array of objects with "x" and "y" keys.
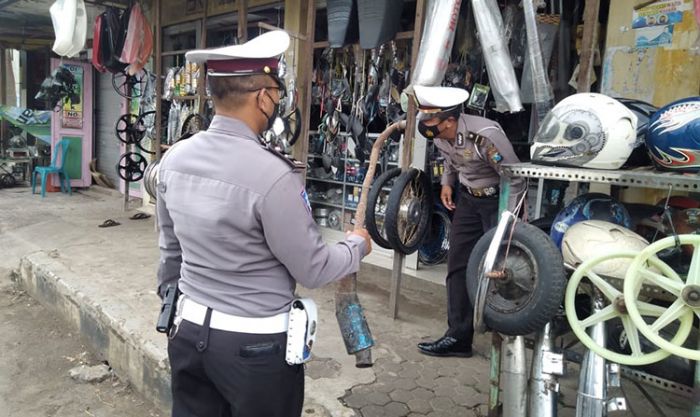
[{"x": 62, "y": 148}]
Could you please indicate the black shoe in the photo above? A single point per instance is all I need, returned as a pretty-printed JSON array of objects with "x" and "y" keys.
[{"x": 445, "y": 346}]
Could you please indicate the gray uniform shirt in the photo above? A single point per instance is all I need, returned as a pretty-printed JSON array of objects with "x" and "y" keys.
[
  {"x": 479, "y": 165},
  {"x": 236, "y": 226}
]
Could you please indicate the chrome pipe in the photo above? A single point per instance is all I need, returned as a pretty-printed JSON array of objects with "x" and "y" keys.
[
  {"x": 544, "y": 381},
  {"x": 592, "y": 385},
  {"x": 514, "y": 376}
]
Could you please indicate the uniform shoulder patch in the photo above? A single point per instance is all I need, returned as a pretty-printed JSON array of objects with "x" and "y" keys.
[{"x": 305, "y": 198}]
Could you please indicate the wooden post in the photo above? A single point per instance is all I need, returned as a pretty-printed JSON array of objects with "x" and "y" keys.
[
  {"x": 406, "y": 158},
  {"x": 242, "y": 21},
  {"x": 159, "y": 70},
  {"x": 201, "y": 83},
  {"x": 590, "y": 25},
  {"x": 305, "y": 71},
  {"x": 3, "y": 96}
]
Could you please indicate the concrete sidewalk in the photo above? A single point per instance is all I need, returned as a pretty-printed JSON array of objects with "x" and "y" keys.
[{"x": 103, "y": 282}]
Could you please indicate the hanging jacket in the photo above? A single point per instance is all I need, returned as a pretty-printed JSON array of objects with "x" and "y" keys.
[
  {"x": 138, "y": 43},
  {"x": 109, "y": 41},
  {"x": 96, "y": 57}
]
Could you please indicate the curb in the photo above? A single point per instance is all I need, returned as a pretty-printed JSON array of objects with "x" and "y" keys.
[{"x": 141, "y": 362}]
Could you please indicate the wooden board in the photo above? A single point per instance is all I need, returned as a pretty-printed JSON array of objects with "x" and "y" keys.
[{"x": 657, "y": 75}]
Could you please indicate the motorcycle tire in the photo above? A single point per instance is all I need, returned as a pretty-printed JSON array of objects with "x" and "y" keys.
[
  {"x": 408, "y": 211},
  {"x": 374, "y": 229},
  {"x": 533, "y": 290}
]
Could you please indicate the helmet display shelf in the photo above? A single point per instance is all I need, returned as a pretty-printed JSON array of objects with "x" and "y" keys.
[{"x": 605, "y": 294}]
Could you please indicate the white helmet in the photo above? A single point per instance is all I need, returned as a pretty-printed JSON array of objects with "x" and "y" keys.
[
  {"x": 586, "y": 130},
  {"x": 592, "y": 238}
]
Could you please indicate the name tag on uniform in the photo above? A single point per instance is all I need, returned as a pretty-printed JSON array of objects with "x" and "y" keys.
[{"x": 460, "y": 140}]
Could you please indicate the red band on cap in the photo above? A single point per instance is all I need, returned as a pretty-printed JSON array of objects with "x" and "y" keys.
[{"x": 244, "y": 65}]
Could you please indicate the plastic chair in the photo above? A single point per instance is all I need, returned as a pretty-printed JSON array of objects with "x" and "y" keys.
[{"x": 62, "y": 148}]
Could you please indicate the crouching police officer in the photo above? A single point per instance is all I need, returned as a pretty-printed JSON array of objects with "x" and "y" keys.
[
  {"x": 236, "y": 234},
  {"x": 474, "y": 149}
]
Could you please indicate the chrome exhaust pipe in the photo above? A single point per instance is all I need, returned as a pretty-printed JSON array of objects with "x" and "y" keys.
[
  {"x": 514, "y": 376},
  {"x": 547, "y": 366},
  {"x": 592, "y": 384}
]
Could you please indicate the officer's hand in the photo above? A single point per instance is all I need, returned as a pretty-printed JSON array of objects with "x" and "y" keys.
[
  {"x": 446, "y": 197},
  {"x": 365, "y": 235}
]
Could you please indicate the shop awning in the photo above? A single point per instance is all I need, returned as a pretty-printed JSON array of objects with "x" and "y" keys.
[{"x": 34, "y": 122}]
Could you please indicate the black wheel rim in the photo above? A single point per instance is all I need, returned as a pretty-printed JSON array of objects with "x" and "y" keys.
[
  {"x": 512, "y": 294},
  {"x": 129, "y": 86},
  {"x": 129, "y": 130},
  {"x": 412, "y": 205}
]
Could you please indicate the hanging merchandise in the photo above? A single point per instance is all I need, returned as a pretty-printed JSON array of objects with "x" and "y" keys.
[
  {"x": 587, "y": 130},
  {"x": 59, "y": 87},
  {"x": 173, "y": 122},
  {"x": 673, "y": 138},
  {"x": 97, "y": 32},
  {"x": 498, "y": 64},
  {"x": 138, "y": 43},
  {"x": 535, "y": 86},
  {"x": 69, "y": 20},
  {"x": 110, "y": 48},
  {"x": 342, "y": 22},
  {"x": 379, "y": 21},
  {"x": 436, "y": 42}
]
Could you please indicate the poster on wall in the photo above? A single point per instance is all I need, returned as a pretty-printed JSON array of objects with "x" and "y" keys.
[
  {"x": 654, "y": 24},
  {"x": 72, "y": 112},
  {"x": 654, "y": 36}
]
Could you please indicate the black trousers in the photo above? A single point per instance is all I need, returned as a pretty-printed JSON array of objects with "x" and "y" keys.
[
  {"x": 473, "y": 216},
  {"x": 217, "y": 373}
]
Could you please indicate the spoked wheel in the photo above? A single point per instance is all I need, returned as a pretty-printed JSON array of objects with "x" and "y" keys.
[
  {"x": 524, "y": 288},
  {"x": 408, "y": 211},
  {"x": 147, "y": 123},
  {"x": 7, "y": 181},
  {"x": 130, "y": 86},
  {"x": 437, "y": 241},
  {"x": 131, "y": 166},
  {"x": 613, "y": 306},
  {"x": 129, "y": 130},
  {"x": 374, "y": 218},
  {"x": 192, "y": 124},
  {"x": 686, "y": 290}
]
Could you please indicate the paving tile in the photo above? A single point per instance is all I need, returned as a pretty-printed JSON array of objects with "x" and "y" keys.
[
  {"x": 468, "y": 397},
  {"x": 409, "y": 370},
  {"x": 405, "y": 383},
  {"x": 424, "y": 382},
  {"x": 378, "y": 398},
  {"x": 441, "y": 403},
  {"x": 445, "y": 381},
  {"x": 357, "y": 400},
  {"x": 383, "y": 387},
  {"x": 372, "y": 411},
  {"x": 444, "y": 391},
  {"x": 395, "y": 409},
  {"x": 400, "y": 395},
  {"x": 419, "y": 405},
  {"x": 422, "y": 393}
]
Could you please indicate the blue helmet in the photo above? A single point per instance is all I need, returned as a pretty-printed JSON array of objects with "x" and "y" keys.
[
  {"x": 591, "y": 206},
  {"x": 673, "y": 137}
]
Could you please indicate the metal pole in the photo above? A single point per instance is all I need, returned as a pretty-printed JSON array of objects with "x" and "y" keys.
[
  {"x": 544, "y": 385},
  {"x": 592, "y": 387},
  {"x": 396, "y": 274},
  {"x": 495, "y": 374},
  {"x": 514, "y": 370},
  {"x": 696, "y": 388}
]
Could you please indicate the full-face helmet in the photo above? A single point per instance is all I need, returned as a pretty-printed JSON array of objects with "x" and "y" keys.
[{"x": 674, "y": 136}]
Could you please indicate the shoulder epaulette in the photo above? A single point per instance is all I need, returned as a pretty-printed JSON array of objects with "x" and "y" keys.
[{"x": 293, "y": 163}]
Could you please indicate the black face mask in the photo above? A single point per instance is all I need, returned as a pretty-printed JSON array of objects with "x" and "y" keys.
[
  {"x": 275, "y": 112},
  {"x": 429, "y": 132}
]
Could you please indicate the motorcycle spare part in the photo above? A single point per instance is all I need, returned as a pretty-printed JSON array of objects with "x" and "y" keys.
[
  {"x": 436, "y": 244},
  {"x": 613, "y": 306},
  {"x": 408, "y": 211},
  {"x": 129, "y": 86},
  {"x": 525, "y": 287},
  {"x": 131, "y": 166},
  {"x": 150, "y": 175},
  {"x": 130, "y": 129},
  {"x": 685, "y": 289},
  {"x": 375, "y": 215}
]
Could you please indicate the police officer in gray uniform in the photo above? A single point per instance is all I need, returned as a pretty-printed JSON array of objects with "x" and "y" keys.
[
  {"x": 474, "y": 149},
  {"x": 237, "y": 235}
]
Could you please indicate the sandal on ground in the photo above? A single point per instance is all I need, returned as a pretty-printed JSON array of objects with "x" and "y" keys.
[
  {"x": 109, "y": 223},
  {"x": 140, "y": 216}
]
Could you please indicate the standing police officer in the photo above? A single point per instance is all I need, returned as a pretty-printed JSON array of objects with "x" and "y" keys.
[
  {"x": 474, "y": 149},
  {"x": 236, "y": 234}
]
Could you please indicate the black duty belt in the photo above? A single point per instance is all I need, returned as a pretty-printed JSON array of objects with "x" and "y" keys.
[{"x": 481, "y": 192}]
